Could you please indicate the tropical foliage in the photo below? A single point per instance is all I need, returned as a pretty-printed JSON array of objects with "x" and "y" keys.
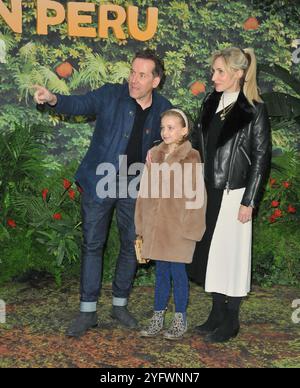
[{"x": 38, "y": 150}]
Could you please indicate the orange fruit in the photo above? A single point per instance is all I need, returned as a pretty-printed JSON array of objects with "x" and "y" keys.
[
  {"x": 64, "y": 70},
  {"x": 197, "y": 87},
  {"x": 251, "y": 24}
]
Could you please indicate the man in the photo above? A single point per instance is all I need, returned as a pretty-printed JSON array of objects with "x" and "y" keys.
[{"x": 128, "y": 123}]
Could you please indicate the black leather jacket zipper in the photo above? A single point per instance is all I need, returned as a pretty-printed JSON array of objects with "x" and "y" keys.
[
  {"x": 246, "y": 155},
  {"x": 231, "y": 164}
]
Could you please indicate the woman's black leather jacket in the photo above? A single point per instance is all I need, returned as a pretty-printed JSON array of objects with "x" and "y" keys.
[{"x": 243, "y": 151}]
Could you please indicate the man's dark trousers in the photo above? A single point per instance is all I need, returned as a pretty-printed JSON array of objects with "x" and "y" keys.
[{"x": 96, "y": 218}]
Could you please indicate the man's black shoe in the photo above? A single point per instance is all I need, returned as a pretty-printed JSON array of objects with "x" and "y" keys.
[
  {"x": 81, "y": 324},
  {"x": 124, "y": 317}
]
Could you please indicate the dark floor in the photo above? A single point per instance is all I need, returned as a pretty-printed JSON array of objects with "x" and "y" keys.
[{"x": 33, "y": 335}]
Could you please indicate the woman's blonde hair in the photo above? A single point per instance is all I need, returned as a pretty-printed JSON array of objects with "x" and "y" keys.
[
  {"x": 184, "y": 121},
  {"x": 239, "y": 59}
]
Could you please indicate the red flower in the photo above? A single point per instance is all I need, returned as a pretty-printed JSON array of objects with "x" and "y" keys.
[
  {"x": 286, "y": 184},
  {"x": 272, "y": 182},
  {"x": 72, "y": 194},
  {"x": 272, "y": 219},
  {"x": 44, "y": 194},
  {"x": 57, "y": 216},
  {"x": 291, "y": 209},
  {"x": 11, "y": 223},
  {"x": 275, "y": 203},
  {"x": 67, "y": 184},
  {"x": 277, "y": 213}
]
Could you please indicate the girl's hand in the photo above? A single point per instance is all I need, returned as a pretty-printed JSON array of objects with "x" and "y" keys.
[
  {"x": 245, "y": 214},
  {"x": 148, "y": 158}
]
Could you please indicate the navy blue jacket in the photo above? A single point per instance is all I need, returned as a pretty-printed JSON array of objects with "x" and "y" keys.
[{"x": 115, "y": 111}]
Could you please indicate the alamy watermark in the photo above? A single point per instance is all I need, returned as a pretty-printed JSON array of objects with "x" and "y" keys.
[
  {"x": 159, "y": 180},
  {"x": 2, "y": 311},
  {"x": 296, "y": 313}
]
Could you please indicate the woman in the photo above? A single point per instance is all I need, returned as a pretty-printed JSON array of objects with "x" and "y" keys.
[{"x": 233, "y": 137}]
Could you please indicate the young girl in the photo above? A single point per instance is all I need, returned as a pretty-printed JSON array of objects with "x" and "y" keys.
[{"x": 170, "y": 226}]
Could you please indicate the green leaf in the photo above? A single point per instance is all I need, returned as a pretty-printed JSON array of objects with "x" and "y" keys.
[
  {"x": 281, "y": 104},
  {"x": 60, "y": 252},
  {"x": 283, "y": 74}
]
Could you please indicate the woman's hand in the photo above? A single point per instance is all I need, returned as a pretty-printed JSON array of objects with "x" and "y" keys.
[{"x": 245, "y": 214}]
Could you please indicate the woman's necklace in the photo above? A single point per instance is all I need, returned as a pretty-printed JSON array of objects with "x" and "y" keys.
[{"x": 227, "y": 109}]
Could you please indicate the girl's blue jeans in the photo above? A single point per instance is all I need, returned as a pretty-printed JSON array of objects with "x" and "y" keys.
[{"x": 166, "y": 272}]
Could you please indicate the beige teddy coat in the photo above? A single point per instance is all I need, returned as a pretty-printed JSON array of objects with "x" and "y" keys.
[{"x": 170, "y": 230}]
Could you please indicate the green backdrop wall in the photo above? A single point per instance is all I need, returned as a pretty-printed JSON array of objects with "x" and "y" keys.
[{"x": 39, "y": 152}]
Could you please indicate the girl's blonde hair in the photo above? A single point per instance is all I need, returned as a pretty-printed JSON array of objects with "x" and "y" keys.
[
  {"x": 184, "y": 121},
  {"x": 239, "y": 59}
]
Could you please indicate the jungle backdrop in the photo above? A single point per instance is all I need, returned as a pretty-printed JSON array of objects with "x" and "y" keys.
[{"x": 40, "y": 223}]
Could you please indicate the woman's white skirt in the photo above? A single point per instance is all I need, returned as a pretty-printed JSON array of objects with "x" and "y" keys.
[{"x": 229, "y": 261}]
